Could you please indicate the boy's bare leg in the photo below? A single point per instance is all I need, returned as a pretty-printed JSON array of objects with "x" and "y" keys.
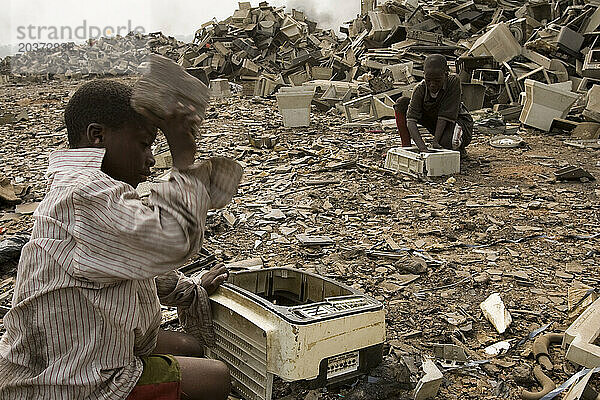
[
  {"x": 201, "y": 378},
  {"x": 204, "y": 379},
  {"x": 177, "y": 344}
]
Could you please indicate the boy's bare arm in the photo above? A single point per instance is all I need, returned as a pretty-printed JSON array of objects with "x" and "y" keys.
[{"x": 413, "y": 129}]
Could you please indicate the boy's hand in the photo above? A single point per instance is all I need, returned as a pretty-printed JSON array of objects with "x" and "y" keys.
[
  {"x": 179, "y": 128},
  {"x": 214, "y": 278}
]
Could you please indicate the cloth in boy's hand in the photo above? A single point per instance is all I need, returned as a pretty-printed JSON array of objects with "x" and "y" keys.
[
  {"x": 191, "y": 299},
  {"x": 165, "y": 84}
]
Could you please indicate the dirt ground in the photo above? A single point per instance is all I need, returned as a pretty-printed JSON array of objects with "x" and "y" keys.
[{"x": 503, "y": 225}]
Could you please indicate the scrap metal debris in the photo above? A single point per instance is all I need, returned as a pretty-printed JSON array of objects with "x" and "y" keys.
[{"x": 309, "y": 112}]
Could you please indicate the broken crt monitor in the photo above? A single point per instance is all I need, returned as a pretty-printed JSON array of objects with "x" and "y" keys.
[{"x": 295, "y": 325}]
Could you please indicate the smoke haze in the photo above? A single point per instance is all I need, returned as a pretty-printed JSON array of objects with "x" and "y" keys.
[
  {"x": 329, "y": 13},
  {"x": 176, "y": 17}
]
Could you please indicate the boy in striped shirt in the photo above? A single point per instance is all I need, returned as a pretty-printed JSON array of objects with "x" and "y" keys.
[{"x": 85, "y": 316}]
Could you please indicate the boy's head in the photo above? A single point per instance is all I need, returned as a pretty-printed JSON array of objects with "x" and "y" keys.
[
  {"x": 436, "y": 72},
  {"x": 100, "y": 115}
]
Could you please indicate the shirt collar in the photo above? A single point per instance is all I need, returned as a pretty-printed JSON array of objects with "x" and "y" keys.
[{"x": 61, "y": 160}]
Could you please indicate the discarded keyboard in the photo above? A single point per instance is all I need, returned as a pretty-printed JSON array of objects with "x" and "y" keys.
[{"x": 294, "y": 325}]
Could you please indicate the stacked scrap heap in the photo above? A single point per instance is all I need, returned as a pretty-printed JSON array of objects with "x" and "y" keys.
[
  {"x": 498, "y": 47},
  {"x": 470, "y": 268}
]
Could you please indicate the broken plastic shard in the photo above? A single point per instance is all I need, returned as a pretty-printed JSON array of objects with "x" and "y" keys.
[
  {"x": 580, "y": 338},
  {"x": 495, "y": 311},
  {"x": 497, "y": 348},
  {"x": 504, "y": 141},
  {"x": 450, "y": 352},
  {"x": 429, "y": 385},
  {"x": 314, "y": 240},
  {"x": 7, "y": 191},
  {"x": 10, "y": 248},
  {"x": 275, "y": 214},
  {"x": 27, "y": 208},
  {"x": 572, "y": 173},
  {"x": 230, "y": 218}
]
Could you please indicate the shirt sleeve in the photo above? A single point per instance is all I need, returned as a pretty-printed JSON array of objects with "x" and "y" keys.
[
  {"x": 450, "y": 103},
  {"x": 415, "y": 108},
  {"x": 118, "y": 238}
]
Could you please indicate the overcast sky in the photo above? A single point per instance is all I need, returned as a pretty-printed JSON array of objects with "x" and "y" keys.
[{"x": 176, "y": 17}]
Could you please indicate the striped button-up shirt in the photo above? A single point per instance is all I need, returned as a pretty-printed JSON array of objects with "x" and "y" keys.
[{"x": 85, "y": 306}]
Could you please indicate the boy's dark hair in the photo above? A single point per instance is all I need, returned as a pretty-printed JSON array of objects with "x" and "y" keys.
[{"x": 101, "y": 101}]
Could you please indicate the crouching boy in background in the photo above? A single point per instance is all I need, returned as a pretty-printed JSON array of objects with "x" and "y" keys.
[{"x": 436, "y": 104}]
